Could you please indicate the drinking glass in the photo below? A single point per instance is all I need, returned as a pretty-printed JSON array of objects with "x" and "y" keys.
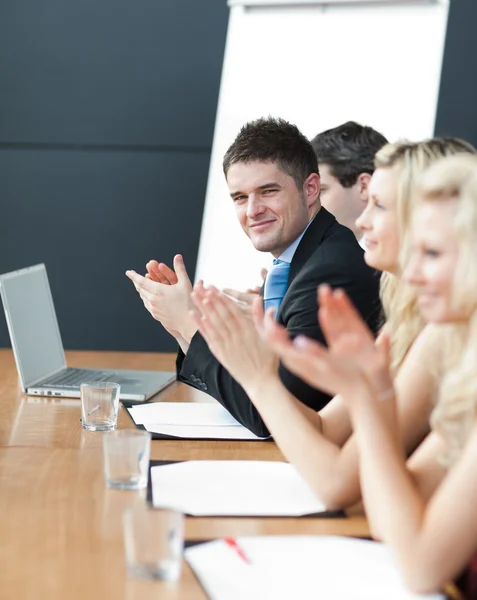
[
  {"x": 99, "y": 405},
  {"x": 154, "y": 541},
  {"x": 126, "y": 458}
]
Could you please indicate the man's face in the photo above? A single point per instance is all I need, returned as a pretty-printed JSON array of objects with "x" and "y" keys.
[
  {"x": 346, "y": 204},
  {"x": 272, "y": 211}
]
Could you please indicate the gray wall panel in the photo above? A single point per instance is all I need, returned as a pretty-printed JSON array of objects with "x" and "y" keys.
[
  {"x": 89, "y": 216},
  {"x": 457, "y": 107},
  {"x": 110, "y": 72},
  {"x": 107, "y": 112}
]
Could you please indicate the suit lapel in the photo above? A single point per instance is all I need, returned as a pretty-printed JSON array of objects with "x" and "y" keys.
[
  {"x": 310, "y": 241},
  {"x": 308, "y": 244}
]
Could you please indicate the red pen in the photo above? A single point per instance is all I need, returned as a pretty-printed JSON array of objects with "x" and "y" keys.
[{"x": 232, "y": 543}]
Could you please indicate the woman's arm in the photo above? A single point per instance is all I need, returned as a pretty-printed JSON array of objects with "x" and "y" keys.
[
  {"x": 433, "y": 532},
  {"x": 428, "y": 517},
  {"x": 333, "y": 472},
  {"x": 297, "y": 429},
  {"x": 336, "y": 422}
]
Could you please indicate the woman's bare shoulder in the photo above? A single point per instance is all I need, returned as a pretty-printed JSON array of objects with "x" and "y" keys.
[{"x": 428, "y": 348}]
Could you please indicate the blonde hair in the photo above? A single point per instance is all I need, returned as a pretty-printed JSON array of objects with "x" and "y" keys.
[
  {"x": 410, "y": 159},
  {"x": 454, "y": 179}
]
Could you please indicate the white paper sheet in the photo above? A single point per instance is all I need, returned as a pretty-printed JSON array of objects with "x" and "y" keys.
[
  {"x": 197, "y": 420},
  {"x": 304, "y": 567},
  {"x": 233, "y": 488},
  {"x": 203, "y": 431},
  {"x": 183, "y": 413}
]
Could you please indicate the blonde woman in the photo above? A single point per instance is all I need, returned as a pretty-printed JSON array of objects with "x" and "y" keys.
[
  {"x": 426, "y": 510},
  {"x": 321, "y": 445}
]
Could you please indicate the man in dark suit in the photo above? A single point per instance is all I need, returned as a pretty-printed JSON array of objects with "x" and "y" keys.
[{"x": 273, "y": 179}]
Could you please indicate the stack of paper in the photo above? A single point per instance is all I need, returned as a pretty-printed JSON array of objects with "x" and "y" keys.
[
  {"x": 304, "y": 567},
  {"x": 233, "y": 488},
  {"x": 190, "y": 420}
]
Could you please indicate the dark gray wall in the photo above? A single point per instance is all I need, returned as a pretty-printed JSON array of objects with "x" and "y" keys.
[
  {"x": 107, "y": 112},
  {"x": 457, "y": 106}
]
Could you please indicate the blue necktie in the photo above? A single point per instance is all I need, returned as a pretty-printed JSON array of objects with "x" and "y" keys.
[{"x": 276, "y": 284}]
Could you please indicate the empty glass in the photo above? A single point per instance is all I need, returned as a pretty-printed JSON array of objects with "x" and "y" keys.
[
  {"x": 153, "y": 541},
  {"x": 126, "y": 458},
  {"x": 99, "y": 405}
]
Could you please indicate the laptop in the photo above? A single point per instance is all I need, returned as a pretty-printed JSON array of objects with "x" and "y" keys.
[{"x": 38, "y": 349}]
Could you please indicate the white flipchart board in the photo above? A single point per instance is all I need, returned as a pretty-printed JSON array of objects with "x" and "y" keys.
[{"x": 316, "y": 64}]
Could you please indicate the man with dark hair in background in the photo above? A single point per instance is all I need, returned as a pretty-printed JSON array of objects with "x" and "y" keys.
[
  {"x": 272, "y": 175},
  {"x": 346, "y": 162}
]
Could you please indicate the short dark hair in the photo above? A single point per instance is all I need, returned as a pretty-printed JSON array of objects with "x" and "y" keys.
[
  {"x": 276, "y": 141},
  {"x": 349, "y": 150}
]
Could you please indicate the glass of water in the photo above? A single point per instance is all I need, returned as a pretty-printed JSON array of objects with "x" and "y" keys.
[
  {"x": 99, "y": 405},
  {"x": 153, "y": 542},
  {"x": 126, "y": 458}
]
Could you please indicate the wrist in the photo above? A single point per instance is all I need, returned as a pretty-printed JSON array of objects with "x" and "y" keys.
[
  {"x": 263, "y": 389},
  {"x": 184, "y": 346},
  {"x": 188, "y": 330},
  {"x": 373, "y": 406}
]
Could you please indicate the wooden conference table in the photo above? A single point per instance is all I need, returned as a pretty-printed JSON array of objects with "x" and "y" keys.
[{"x": 60, "y": 527}]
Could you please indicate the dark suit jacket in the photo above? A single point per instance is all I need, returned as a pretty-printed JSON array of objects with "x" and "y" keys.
[{"x": 327, "y": 253}]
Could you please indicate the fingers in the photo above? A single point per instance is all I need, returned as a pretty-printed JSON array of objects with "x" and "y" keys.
[
  {"x": 385, "y": 346},
  {"x": 135, "y": 278},
  {"x": 141, "y": 283},
  {"x": 199, "y": 289},
  {"x": 255, "y": 290},
  {"x": 153, "y": 272},
  {"x": 239, "y": 296},
  {"x": 310, "y": 348},
  {"x": 167, "y": 274},
  {"x": 324, "y": 294},
  {"x": 310, "y": 361},
  {"x": 328, "y": 315},
  {"x": 257, "y": 312},
  {"x": 146, "y": 288},
  {"x": 380, "y": 375},
  {"x": 306, "y": 358},
  {"x": 217, "y": 318},
  {"x": 258, "y": 316},
  {"x": 344, "y": 305},
  {"x": 275, "y": 334},
  {"x": 181, "y": 271},
  {"x": 263, "y": 274},
  {"x": 161, "y": 273},
  {"x": 221, "y": 311},
  {"x": 337, "y": 316}
]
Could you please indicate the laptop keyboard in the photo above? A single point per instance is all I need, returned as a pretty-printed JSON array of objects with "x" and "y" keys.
[{"x": 74, "y": 377}]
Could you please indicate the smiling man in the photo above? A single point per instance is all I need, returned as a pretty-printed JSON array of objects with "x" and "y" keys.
[{"x": 273, "y": 179}]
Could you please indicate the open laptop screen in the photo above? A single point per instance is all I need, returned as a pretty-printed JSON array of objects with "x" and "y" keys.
[{"x": 32, "y": 324}]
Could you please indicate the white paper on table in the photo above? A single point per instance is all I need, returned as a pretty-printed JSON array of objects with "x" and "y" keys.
[
  {"x": 190, "y": 420},
  {"x": 305, "y": 567},
  {"x": 183, "y": 413},
  {"x": 203, "y": 431},
  {"x": 233, "y": 488}
]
